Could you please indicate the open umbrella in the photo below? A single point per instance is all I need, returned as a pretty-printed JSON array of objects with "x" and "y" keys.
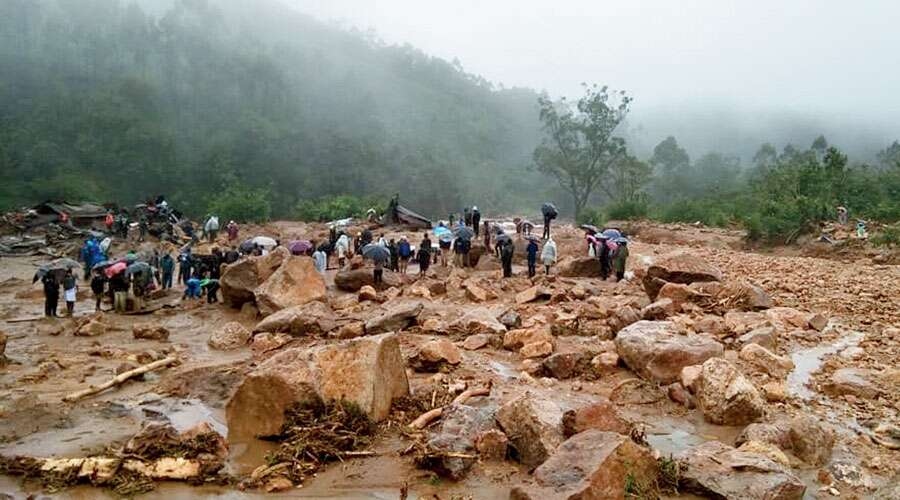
[
  {"x": 549, "y": 210},
  {"x": 136, "y": 268},
  {"x": 621, "y": 240},
  {"x": 63, "y": 263},
  {"x": 265, "y": 241},
  {"x": 464, "y": 232},
  {"x": 103, "y": 264},
  {"x": 246, "y": 247},
  {"x": 531, "y": 237},
  {"x": 611, "y": 234},
  {"x": 438, "y": 231},
  {"x": 300, "y": 247},
  {"x": 115, "y": 269},
  {"x": 589, "y": 228},
  {"x": 375, "y": 252},
  {"x": 502, "y": 237}
]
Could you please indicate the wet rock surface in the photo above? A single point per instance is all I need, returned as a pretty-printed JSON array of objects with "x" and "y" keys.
[{"x": 657, "y": 351}]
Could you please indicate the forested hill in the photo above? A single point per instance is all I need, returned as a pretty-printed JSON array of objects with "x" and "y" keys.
[{"x": 121, "y": 100}]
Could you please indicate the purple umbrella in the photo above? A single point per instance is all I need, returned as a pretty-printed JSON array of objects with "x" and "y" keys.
[{"x": 300, "y": 247}]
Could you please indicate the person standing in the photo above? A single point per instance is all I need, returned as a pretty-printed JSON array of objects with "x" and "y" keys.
[
  {"x": 395, "y": 255},
  {"x": 506, "y": 257},
  {"x": 232, "y": 230},
  {"x": 343, "y": 248},
  {"x": 548, "y": 255},
  {"x": 424, "y": 256},
  {"x": 167, "y": 263},
  {"x": 184, "y": 267},
  {"x": 70, "y": 291},
  {"x": 604, "y": 258},
  {"x": 476, "y": 220},
  {"x": 465, "y": 246},
  {"x": 51, "y": 294},
  {"x": 97, "y": 285},
  {"x": 109, "y": 221},
  {"x": 211, "y": 228},
  {"x": 487, "y": 236},
  {"x": 620, "y": 259},
  {"x": 378, "y": 272},
  {"x": 444, "y": 247},
  {"x": 404, "y": 251},
  {"x": 320, "y": 260},
  {"x": 192, "y": 289},
  {"x": 532, "y": 250},
  {"x": 467, "y": 217}
]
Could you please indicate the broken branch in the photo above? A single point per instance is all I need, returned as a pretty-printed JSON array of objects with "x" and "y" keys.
[
  {"x": 120, "y": 378},
  {"x": 426, "y": 418}
]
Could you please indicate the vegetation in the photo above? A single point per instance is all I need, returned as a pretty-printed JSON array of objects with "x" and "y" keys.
[{"x": 328, "y": 208}]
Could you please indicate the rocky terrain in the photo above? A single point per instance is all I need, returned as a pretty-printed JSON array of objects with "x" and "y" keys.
[{"x": 710, "y": 371}]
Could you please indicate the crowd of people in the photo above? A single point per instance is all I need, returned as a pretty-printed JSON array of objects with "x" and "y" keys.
[{"x": 136, "y": 275}]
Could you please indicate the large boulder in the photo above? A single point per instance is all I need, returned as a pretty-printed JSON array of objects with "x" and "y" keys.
[
  {"x": 811, "y": 440},
  {"x": 533, "y": 426},
  {"x": 766, "y": 361},
  {"x": 240, "y": 280},
  {"x": 457, "y": 438},
  {"x": 656, "y": 351},
  {"x": 745, "y": 296},
  {"x": 351, "y": 280},
  {"x": 231, "y": 336},
  {"x": 579, "y": 267},
  {"x": 295, "y": 283},
  {"x": 367, "y": 371},
  {"x": 718, "y": 470},
  {"x": 678, "y": 268},
  {"x": 434, "y": 355},
  {"x": 396, "y": 317},
  {"x": 602, "y": 415},
  {"x": 313, "y": 318},
  {"x": 592, "y": 465},
  {"x": 477, "y": 320},
  {"x": 726, "y": 397}
]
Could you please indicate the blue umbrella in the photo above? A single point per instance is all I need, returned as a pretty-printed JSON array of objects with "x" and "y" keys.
[
  {"x": 611, "y": 234},
  {"x": 464, "y": 232},
  {"x": 443, "y": 233}
]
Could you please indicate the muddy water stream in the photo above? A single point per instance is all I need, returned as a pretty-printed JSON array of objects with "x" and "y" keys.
[{"x": 807, "y": 361}]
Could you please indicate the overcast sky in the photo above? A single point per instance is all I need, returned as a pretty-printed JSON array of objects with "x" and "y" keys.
[{"x": 836, "y": 61}]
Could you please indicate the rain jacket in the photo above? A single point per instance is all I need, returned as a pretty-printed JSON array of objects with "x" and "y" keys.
[
  {"x": 212, "y": 224},
  {"x": 404, "y": 250},
  {"x": 320, "y": 260},
  {"x": 532, "y": 250},
  {"x": 620, "y": 259},
  {"x": 548, "y": 254}
]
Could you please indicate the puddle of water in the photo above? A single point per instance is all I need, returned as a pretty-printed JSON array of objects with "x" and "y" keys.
[
  {"x": 808, "y": 361},
  {"x": 503, "y": 369},
  {"x": 670, "y": 435}
]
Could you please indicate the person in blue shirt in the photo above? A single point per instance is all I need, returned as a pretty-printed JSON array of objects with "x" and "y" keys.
[
  {"x": 404, "y": 250},
  {"x": 532, "y": 250},
  {"x": 192, "y": 289}
]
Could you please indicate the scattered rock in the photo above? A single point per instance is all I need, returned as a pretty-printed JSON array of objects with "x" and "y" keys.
[
  {"x": 718, "y": 470},
  {"x": 764, "y": 336},
  {"x": 367, "y": 293},
  {"x": 398, "y": 316},
  {"x": 851, "y": 381},
  {"x": 239, "y": 281},
  {"x": 478, "y": 320},
  {"x": 149, "y": 331},
  {"x": 536, "y": 349},
  {"x": 294, "y": 283},
  {"x": 725, "y": 396},
  {"x": 310, "y": 319},
  {"x": 532, "y": 426},
  {"x": 811, "y": 440},
  {"x": 654, "y": 350},
  {"x": 492, "y": 444},
  {"x": 677, "y": 268},
  {"x": 711, "y": 324},
  {"x": 592, "y": 465},
  {"x": 435, "y": 355},
  {"x": 659, "y": 310},
  {"x": 475, "y": 342},
  {"x": 767, "y": 361},
  {"x": 744, "y": 295},
  {"x": 351, "y": 280},
  {"x": 368, "y": 371},
  {"x": 679, "y": 294},
  {"x": 516, "y": 339},
  {"x": 232, "y": 336},
  {"x": 533, "y": 294},
  {"x": 767, "y": 450},
  {"x": 94, "y": 327},
  {"x": 777, "y": 434},
  {"x": 3, "y": 338},
  {"x": 690, "y": 376},
  {"x": 510, "y": 319},
  {"x": 680, "y": 395},
  {"x": 602, "y": 415},
  {"x": 817, "y": 322},
  {"x": 740, "y": 322},
  {"x": 351, "y": 330},
  {"x": 623, "y": 317},
  {"x": 264, "y": 343},
  {"x": 564, "y": 365},
  {"x": 605, "y": 362},
  {"x": 775, "y": 392},
  {"x": 476, "y": 293},
  {"x": 579, "y": 267},
  {"x": 460, "y": 428}
]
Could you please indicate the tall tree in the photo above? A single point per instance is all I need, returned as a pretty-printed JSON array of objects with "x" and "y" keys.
[{"x": 579, "y": 146}]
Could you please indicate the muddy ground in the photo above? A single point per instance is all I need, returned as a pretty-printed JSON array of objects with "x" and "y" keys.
[{"x": 45, "y": 362}]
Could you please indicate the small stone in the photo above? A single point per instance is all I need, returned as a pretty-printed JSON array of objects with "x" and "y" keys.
[
  {"x": 150, "y": 331},
  {"x": 367, "y": 292},
  {"x": 536, "y": 349}
]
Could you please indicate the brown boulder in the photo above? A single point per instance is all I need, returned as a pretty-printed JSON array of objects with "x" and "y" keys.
[
  {"x": 313, "y": 318},
  {"x": 478, "y": 320},
  {"x": 351, "y": 280},
  {"x": 295, "y": 283},
  {"x": 232, "y": 336},
  {"x": 851, "y": 381},
  {"x": 739, "y": 323},
  {"x": 92, "y": 328},
  {"x": 516, "y": 339},
  {"x": 532, "y": 294},
  {"x": 766, "y": 361},
  {"x": 492, "y": 444},
  {"x": 564, "y": 365},
  {"x": 436, "y": 354},
  {"x": 396, "y": 317},
  {"x": 149, "y": 331},
  {"x": 240, "y": 280},
  {"x": 602, "y": 415},
  {"x": 764, "y": 336},
  {"x": 536, "y": 349},
  {"x": 811, "y": 440},
  {"x": 679, "y": 294},
  {"x": 533, "y": 427},
  {"x": 264, "y": 343},
  {"x": 622, "y": 317},
  {"x": 367, "y": 371},
  {"x": 579, "y": 267},
  {"x": 592, "y": 465},
  {"x": 718, "y": 470},
  {"x": 726, "y": 397},
  {"x": 654, "y": 350},
  {"x": 460, "y": 428},
  {"x": 475, "y": 342},
  {"x": 677, "y": 268},
  {"x": 476, "y": 293},
  {"x": 745, "y": 296},
  {"x": 367, "y": 292},
  {"x": 659, "y": 310}
]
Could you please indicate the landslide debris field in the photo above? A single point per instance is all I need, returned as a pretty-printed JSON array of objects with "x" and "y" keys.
[{"x": 709, "y": 371}]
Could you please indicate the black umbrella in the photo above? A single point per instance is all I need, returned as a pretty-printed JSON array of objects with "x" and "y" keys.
[
  {"x": 137, "y": 268},
  {"x": 502, "y": 237},
  {"x": 549, "y": 210},
  {"x": 464, "y": 233},
  {"x": 376, "y": 252}
]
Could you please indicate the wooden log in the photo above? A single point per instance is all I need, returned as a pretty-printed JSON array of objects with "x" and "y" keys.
[
  {"x": 426, "y": 418},
  {"x": 120, "y": 378}
]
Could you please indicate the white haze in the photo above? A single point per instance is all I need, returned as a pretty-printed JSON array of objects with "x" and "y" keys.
[{"x": 718, "y": 74}]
